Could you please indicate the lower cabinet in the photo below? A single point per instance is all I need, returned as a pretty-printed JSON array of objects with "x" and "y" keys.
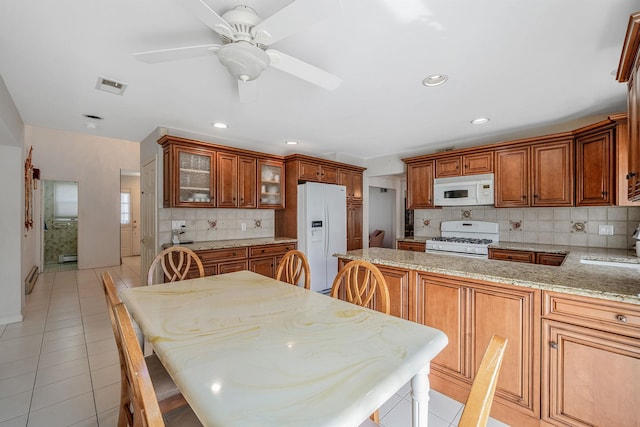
[
  {"x": 590, "y": 362},
  {"x": 261, "y": 259},
  {"x": 411, "y": 246},
  {"x": 470, "y": 312}
]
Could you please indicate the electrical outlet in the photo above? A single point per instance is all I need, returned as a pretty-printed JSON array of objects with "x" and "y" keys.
[
  {"x": 243, "y": 226},
  {"x": 176, "y": 225},
  {"x": 605, "y": 230}
]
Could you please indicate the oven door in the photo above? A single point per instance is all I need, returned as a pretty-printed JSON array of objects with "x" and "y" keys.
[{"x": 462, "y": 254}]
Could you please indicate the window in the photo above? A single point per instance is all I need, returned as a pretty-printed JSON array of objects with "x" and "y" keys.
[
  {"x": 125, "y": 208},
  {"x": 65, "y": 200}
]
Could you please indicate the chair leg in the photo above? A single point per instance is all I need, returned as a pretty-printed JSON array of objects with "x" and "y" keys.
[{"x": 375, "y": 417}]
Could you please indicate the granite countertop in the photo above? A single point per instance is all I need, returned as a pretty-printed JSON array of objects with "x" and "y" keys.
[
  {"x": 234, "y": 243},
  {"x": 573, "y": 277}
]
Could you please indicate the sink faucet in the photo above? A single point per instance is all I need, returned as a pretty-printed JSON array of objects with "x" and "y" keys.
[{"x": 176, "y": 237}]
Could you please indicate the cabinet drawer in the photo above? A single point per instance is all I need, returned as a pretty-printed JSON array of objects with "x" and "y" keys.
[
  {"x": 268, "y": 250},
  {"x": 411, "y": 246},
  {"x": 217, "y": 255},
  {"x": 515, "y": 256},
  {"x": 594, "y": 313},
  {"x": 230, "y": 267},
  {"x": 549, "y": 259}
]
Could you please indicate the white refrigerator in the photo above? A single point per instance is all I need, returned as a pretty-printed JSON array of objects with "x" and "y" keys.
[{"x": 322, "y": 230}]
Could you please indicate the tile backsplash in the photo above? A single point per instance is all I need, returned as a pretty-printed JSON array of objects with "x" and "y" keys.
[
  {"x": 217, "y": 224},
  {"x": 560, "y": 226}
]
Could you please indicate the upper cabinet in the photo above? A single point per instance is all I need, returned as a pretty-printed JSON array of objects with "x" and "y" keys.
[
  {"x": 469, "y": 164},
  {"x": 595, "y": 167},
  {"x": 198, "y": 174},
  {"x": 420, "y": 185},
  {"x": 535, "y": 175},
  {"x": 271, "y": 184},
  {"x": 353, "y": 181},
  {"x": 318, "y": 172},
  {"x": 629, "y": 72},
  {"x": 189, "y": 177}
]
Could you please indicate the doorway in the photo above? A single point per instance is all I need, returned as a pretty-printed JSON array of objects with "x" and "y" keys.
[
  {"x": 129, "y": 213},
  {"x": 382, "y": 213},
  {"x": 60, "y": 228}
]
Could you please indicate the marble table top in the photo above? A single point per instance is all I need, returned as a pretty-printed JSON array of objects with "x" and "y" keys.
[{"x": 247, "y": 350}]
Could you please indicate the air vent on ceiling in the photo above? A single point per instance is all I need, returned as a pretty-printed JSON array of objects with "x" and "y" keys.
[{"x": 111, "y": 86}]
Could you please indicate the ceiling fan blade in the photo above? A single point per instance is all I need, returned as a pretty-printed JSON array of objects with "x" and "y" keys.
[
  {"x": 303, "y": 70},
  {"x": 248, "y": 91},
  {"x": 164, "y": 55},
  {"x": 209, "y": 16},
  {"x": 294, "y": 17}
]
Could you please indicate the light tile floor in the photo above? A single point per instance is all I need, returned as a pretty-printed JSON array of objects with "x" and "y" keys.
[{"x": 59, "y": 367}]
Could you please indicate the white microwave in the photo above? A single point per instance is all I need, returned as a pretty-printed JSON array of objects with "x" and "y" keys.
[{"x": 470, "y": 190}]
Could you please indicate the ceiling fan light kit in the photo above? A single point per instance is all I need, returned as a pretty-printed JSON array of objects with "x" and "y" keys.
[{"x": 243, "y": 60}]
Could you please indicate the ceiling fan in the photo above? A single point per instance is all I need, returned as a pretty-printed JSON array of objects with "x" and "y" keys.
[{"x": 246, "y": 38}]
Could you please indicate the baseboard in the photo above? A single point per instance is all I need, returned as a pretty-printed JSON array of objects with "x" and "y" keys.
[{"x": 11, "y": 319}]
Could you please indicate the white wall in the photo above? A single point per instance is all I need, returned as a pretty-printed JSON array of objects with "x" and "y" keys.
[
  {"x": 15, "y": 239},
  {"x": 95, "y": 163}
]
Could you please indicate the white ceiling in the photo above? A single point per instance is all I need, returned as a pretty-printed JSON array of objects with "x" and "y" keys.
[{"x": 524, "y": 64}]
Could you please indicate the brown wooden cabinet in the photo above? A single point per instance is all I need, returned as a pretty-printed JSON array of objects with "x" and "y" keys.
[
  {"x": 262, "y": 259},
  {"x": 470, "y": 312},
  {"x": 590, "y": 362},
  {"x": 189, "y": 176},
  {"x": 468, "y": 164},
  {"x": 271, "y": 185},
  {"x": 353, "y": 181},
  {"x": 629, "y": 72},
  {"x": 536, "y": 175},
  {"x": 354, "y": 227},
  {"x": 595, "y": 167},
  {"x": 420, "y": 185},
  {"x": 530, "y": 257},
  {"x": 411, "y": 246},
  {"x": 199, "y": 174},
  {"x": 318, "y": 172}
]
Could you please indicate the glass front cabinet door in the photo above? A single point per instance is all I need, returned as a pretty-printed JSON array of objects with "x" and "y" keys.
[
  {"x": 271, "y": 175},
  {"x": 192, "y": 179}
]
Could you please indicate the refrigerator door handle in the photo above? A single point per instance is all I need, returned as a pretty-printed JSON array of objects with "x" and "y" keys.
[{"x": 326, "y": 232}]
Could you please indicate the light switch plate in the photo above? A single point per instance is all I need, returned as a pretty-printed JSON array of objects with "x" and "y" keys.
[{"x": 605, "y": 230}]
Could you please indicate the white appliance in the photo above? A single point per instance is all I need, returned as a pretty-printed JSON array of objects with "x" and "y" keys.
[
  {"x": 468, "y": 238},
  {"x": 464, "y": 190},
  {"x": 322, "y": 230}
]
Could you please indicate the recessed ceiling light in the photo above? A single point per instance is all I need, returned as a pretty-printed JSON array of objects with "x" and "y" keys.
[
  {"x": 480, "y": 121},
  {"x": 434, "y": 79},
  {"x": 220, "y": 125},
  {"x": 291, "y": 142},
  {"x": 91, "y": 126}
]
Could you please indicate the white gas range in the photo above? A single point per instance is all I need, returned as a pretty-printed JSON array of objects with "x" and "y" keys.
[{"x": 466, "y": 238}]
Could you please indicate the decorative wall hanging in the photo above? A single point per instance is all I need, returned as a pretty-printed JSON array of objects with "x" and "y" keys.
[{"x": 28, "y": 193}]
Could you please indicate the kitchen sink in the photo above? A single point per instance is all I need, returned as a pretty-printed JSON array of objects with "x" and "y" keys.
[{"x": 611, "y": 263}]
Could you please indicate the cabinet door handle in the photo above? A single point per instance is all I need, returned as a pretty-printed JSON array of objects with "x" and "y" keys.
[
  {"x": 621, "y": 318},
  {"x": 553, "y": 345},
  {"x": 604, "y": 193},
  {"x": 631, "y": 175},
  {"x": 535, "y": 196}
]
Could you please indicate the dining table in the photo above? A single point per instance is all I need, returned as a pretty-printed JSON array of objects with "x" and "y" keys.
[{"x": 248, "y": 350}]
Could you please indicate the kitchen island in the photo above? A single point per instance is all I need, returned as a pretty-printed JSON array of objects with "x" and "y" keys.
[{"x": 561, "y": 322}]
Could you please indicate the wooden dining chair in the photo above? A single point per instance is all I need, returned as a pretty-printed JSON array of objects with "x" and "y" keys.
[
  {"x": 476, "y": 410},
  {"x": 143, "y": 407},
  {"x": 291, "y": 268},
  {"x": 362, "y": 281},
  {"x": 175, "y": 262},
  {"x": 164, "y": 388}
]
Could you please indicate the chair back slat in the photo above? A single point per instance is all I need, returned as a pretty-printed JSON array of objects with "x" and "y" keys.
[
  {"x": 292, "y": 267},
  {"x": 476, "y": 410},
  {"x": 363, "y": 284},
  {"x": 175, "y": 262},
  {"x": 144, "y": 403}
]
